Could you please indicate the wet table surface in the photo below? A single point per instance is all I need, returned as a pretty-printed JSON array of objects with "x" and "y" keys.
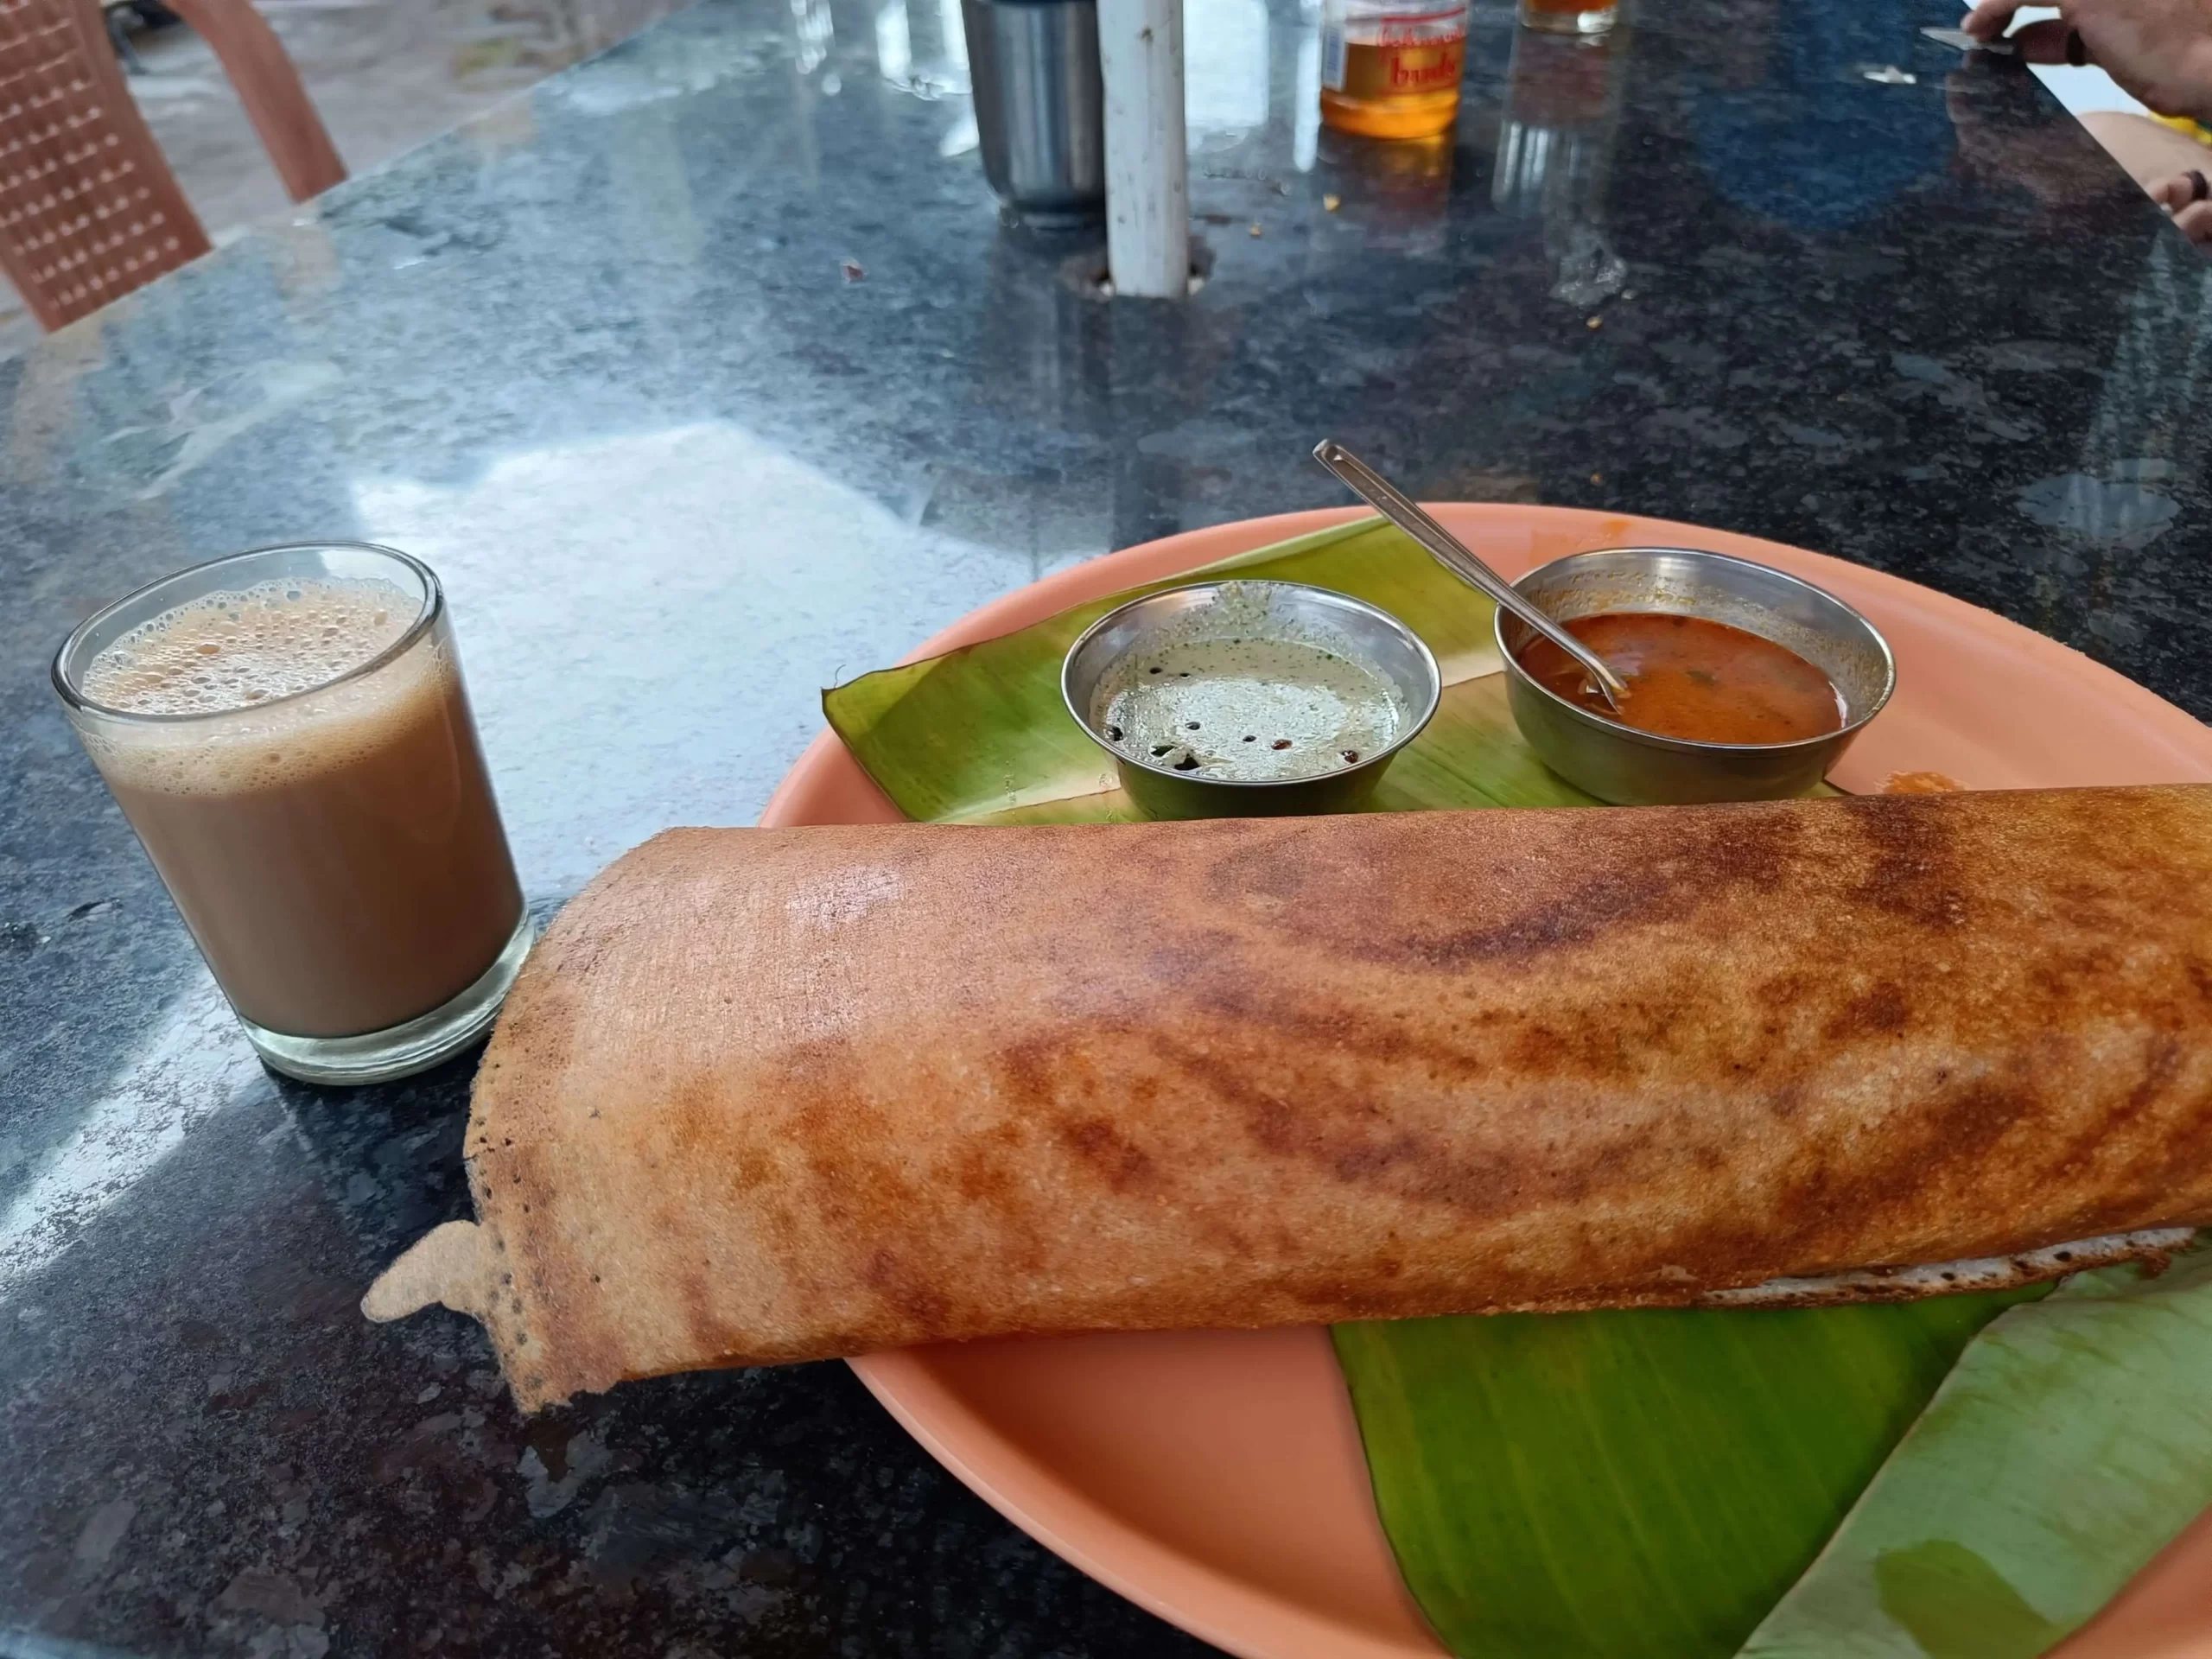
[{"x": 707, "y": 376}]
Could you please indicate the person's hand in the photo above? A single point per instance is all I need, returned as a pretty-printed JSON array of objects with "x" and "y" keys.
[
  {"x": 2158, "y": 50},
  {"x": 2188, "y": 197}
]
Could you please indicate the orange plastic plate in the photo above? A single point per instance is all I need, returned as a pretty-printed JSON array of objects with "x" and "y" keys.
[{"x": 1216, "y": 1478}]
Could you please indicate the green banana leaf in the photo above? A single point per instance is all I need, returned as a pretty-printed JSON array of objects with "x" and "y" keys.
[
  {"x": 2073, "y": 1441},
  {"x": 980, "y": 735},
  {"x": 1632, "y": 1482},
  {"x": 1645, "y": 1483}
]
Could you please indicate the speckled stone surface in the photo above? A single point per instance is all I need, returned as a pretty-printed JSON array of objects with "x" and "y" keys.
[{"x": 707, "y": 376}]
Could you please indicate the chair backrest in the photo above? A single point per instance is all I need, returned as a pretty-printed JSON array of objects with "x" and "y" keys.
[{"x": 89, "y": 209}]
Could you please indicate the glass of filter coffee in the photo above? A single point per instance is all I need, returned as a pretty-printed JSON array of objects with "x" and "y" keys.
[{"x": 288, "y": 732}]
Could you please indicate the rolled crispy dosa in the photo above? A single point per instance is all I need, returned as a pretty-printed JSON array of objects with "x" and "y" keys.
[{"x": 777, "y": 1095}]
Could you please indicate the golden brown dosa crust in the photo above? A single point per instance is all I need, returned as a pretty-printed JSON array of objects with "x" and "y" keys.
[{"x": 777, "y": 1095}]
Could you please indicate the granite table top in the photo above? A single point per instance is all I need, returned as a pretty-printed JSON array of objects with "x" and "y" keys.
[{"x": 707, "y": 375}]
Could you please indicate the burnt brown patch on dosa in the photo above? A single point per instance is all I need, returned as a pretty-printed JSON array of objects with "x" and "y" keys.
[
  {"x": 1571, "y": 893},
  {"x": 1915, "y": 871},
  {"x": 1250, "y": 1073},
  {"x": 1119, "y": 1161},
  {"x": 1884, "y": 1009}
]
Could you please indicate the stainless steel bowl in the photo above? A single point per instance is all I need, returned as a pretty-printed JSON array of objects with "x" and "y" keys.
[
  {"x": 1290, "y": 610},
  {"x": 1619, "y": 764}
]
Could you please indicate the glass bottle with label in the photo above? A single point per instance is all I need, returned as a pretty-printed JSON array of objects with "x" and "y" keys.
[{"x": 1390, "y": 68}]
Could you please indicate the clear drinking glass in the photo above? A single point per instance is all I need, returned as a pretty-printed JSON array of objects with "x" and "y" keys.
[
  {"x": 1555, "y": 144},
  {"x": 292, "y": 741}
]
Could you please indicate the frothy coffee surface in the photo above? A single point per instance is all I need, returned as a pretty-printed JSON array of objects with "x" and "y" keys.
[
  {"x": 331, "y": 841},
  {"x": 263, "y": 659},
  {"x": 233, "y": 649}
]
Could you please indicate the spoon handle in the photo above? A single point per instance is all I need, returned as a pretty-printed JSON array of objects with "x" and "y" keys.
[{"x": 1454, "y": 555}]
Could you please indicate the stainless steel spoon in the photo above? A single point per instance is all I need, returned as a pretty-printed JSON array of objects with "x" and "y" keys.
[{"x": 1454, "y": 555}]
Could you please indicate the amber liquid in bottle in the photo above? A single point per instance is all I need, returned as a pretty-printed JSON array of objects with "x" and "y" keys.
[{"x": 1392, "y": 73}]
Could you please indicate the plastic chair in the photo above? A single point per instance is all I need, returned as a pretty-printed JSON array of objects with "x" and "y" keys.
[{"x": 89, "y": 209}]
